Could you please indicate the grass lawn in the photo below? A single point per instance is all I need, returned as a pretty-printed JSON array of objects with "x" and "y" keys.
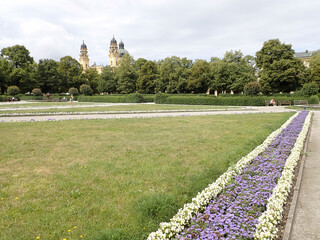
[
  {"x": 135, "y": 107},
  {"x": 114, "y": 179}
]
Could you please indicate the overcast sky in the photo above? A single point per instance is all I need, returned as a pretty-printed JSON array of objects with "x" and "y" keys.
[{"x": 156, "y": 29}]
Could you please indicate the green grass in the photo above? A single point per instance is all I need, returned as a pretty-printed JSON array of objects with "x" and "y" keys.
[
  {"x": 114, "y": 179},
  {"x": 135, "y": 107}
]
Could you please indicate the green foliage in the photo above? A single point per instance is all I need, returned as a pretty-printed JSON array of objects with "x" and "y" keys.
[
  {"x": 48, "y": 76},
  {"x": 147, "y": 77},
  {"x": 315, "y": 67},
  {"x": 134, "y": 98},
  {"x": 86, "y": 90},
  {"x": 126, "y": 75},
  {"x": 309, "y": 89},
  {"x": 279, "y": 70},
  {"x": 313, "y": 100},
  {"x": 107, "y": 81},
  {"x": 160, "y": 97},
  {"x": 252, "y": 88},
  {"x": 70, "y": 71},
  {"x": 20, "y": 67},
  {"x": 199, "y": 79},
  {"x": 92, "y": 77},
  {"x": 73, "y": 91},
  {"x": 13, "y": 90},
  {"x": 36, "y": 92}
]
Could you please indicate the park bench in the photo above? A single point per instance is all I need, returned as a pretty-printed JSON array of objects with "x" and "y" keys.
[
  {"x": 300, "y": 102},
  {"x": 284, "y": 102}
]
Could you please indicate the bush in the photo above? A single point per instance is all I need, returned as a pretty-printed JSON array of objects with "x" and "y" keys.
[
  {"x": 313, "y": 99},
  {"x": 13, "y": 90},
  {"x": 309, "y": 89},
  {"x": 134, "y": 98},
  {"x": 86, "y": 90},
  {"x": 252, "y": 88},
  {"x": 73, "y": 91},
  {"x": 160, "y": 97},
  {"x": 37, "y": 92}
]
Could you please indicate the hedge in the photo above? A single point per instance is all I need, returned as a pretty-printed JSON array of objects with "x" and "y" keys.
[
  {"x": 223, "y": 101},
  {"x": 117, "y": 98}
]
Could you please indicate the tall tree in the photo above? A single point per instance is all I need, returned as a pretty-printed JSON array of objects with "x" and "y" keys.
[
  {"x": 126, "y": 75},
  {"x": 48, "y": 76},
  {"x": 107, "y": 81},
  {"x": 5, "y": 70},
  {"x": 174, "y": 73},
  {"x": 147, "y": 77},
  {"x": 70, "y": 71},
  {"x": 92, "y": 77},
  {"x": 279, "y": 70},
  {"x": 198, "y": 80},
  {"x": 315, "y": 67},
  {"x": 23, "y": 67}
]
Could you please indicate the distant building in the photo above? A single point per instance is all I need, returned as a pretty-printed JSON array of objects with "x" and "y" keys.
[
  {"x": 305, "y": 57},
  {"x": 115, "y": 53}
]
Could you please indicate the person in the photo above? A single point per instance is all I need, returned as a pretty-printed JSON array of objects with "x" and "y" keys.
[
  {"x": 71, "y": 99},
  {"x": 273, "y": 102}
]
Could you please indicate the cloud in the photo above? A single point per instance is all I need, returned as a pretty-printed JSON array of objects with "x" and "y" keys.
[{"x": 156, "y": 29}]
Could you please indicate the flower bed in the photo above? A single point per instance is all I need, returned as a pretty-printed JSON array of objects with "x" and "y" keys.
[
  {"x": 246, "y": 190},
  {"x": 111, "y": 112}
]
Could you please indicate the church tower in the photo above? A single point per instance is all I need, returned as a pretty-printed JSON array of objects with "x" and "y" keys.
[
  {"x": 114, "y": 55},
  {"x": 84, "y": 58}
]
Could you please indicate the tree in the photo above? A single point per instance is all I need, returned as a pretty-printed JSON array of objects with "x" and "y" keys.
[
  {"x": 5, "y": 70},
  {"x": 126, "y": 75},
  {"x": 92, "y": 77},
  {"x": 147, "y": 76},
  {"x": 107, "y": 81},
  {"x": 174, "y": 73},
  {"x": 48, "y": 76},
  {"x": 315, "y": 67},
  {"x": 70, "y": 71},
  {"x": 279, "y": 70},
  {"x": 198, "y": 80},
  {"x": 22, "y": 70},
  {"x": 233, "y": 72}
]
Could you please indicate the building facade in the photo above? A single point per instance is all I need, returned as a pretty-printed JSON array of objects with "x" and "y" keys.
[
  {"x": 115, "y": 54},
  {"x": 305, "y": 57}
]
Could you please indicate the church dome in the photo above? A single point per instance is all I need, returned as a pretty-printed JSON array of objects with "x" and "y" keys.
[
  {"x": 121, "y": 45},
  {"x": 113, "y": 41},
  {"x": 83, "y": 46}
]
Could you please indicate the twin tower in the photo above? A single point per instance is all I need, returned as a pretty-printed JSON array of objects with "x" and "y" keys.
[{"x": 115, "y": 55}]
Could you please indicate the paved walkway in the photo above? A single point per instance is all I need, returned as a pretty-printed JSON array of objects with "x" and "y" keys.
[
  {"x": 306, "y": 219},
  {"x": 142, "y": 115}
]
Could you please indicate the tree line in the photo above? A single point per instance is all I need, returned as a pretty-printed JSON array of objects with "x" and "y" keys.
[{"x": 274, "y": 69}]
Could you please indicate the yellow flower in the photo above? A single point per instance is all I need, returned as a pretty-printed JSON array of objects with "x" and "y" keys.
[
  {"x": 81, "y": 236},
  {"x": 38, "y": 238},
  {"x": 75, "y": 227},
  {"x": 17, "y": 198},
  {"x": 69, "y": 230}
]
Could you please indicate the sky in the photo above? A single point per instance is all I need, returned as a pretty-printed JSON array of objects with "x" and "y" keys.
[{"x": 156, "y": 29}]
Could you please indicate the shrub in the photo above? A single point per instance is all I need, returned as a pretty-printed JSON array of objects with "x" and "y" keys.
[
  {"x": 313, "y": 99},
  {"x": 86, "y": 90},
  {"x": 309, "y": 89},
  {"x": 37, "y": 92},
  {"x": 134, "y": 98},
  {"x": 252, "y": 88},
  {"x": 13, "y": 90},
  {"x": 73, "y": 91},
  {"x": 160, "y": 97}
]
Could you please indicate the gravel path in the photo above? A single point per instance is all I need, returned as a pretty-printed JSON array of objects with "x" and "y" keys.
[{"x": 245, "y": 110}]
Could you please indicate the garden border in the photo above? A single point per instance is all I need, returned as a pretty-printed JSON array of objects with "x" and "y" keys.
[
  {"x": 296, "y": 189},
  {"x": 168, "y": 230}
]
